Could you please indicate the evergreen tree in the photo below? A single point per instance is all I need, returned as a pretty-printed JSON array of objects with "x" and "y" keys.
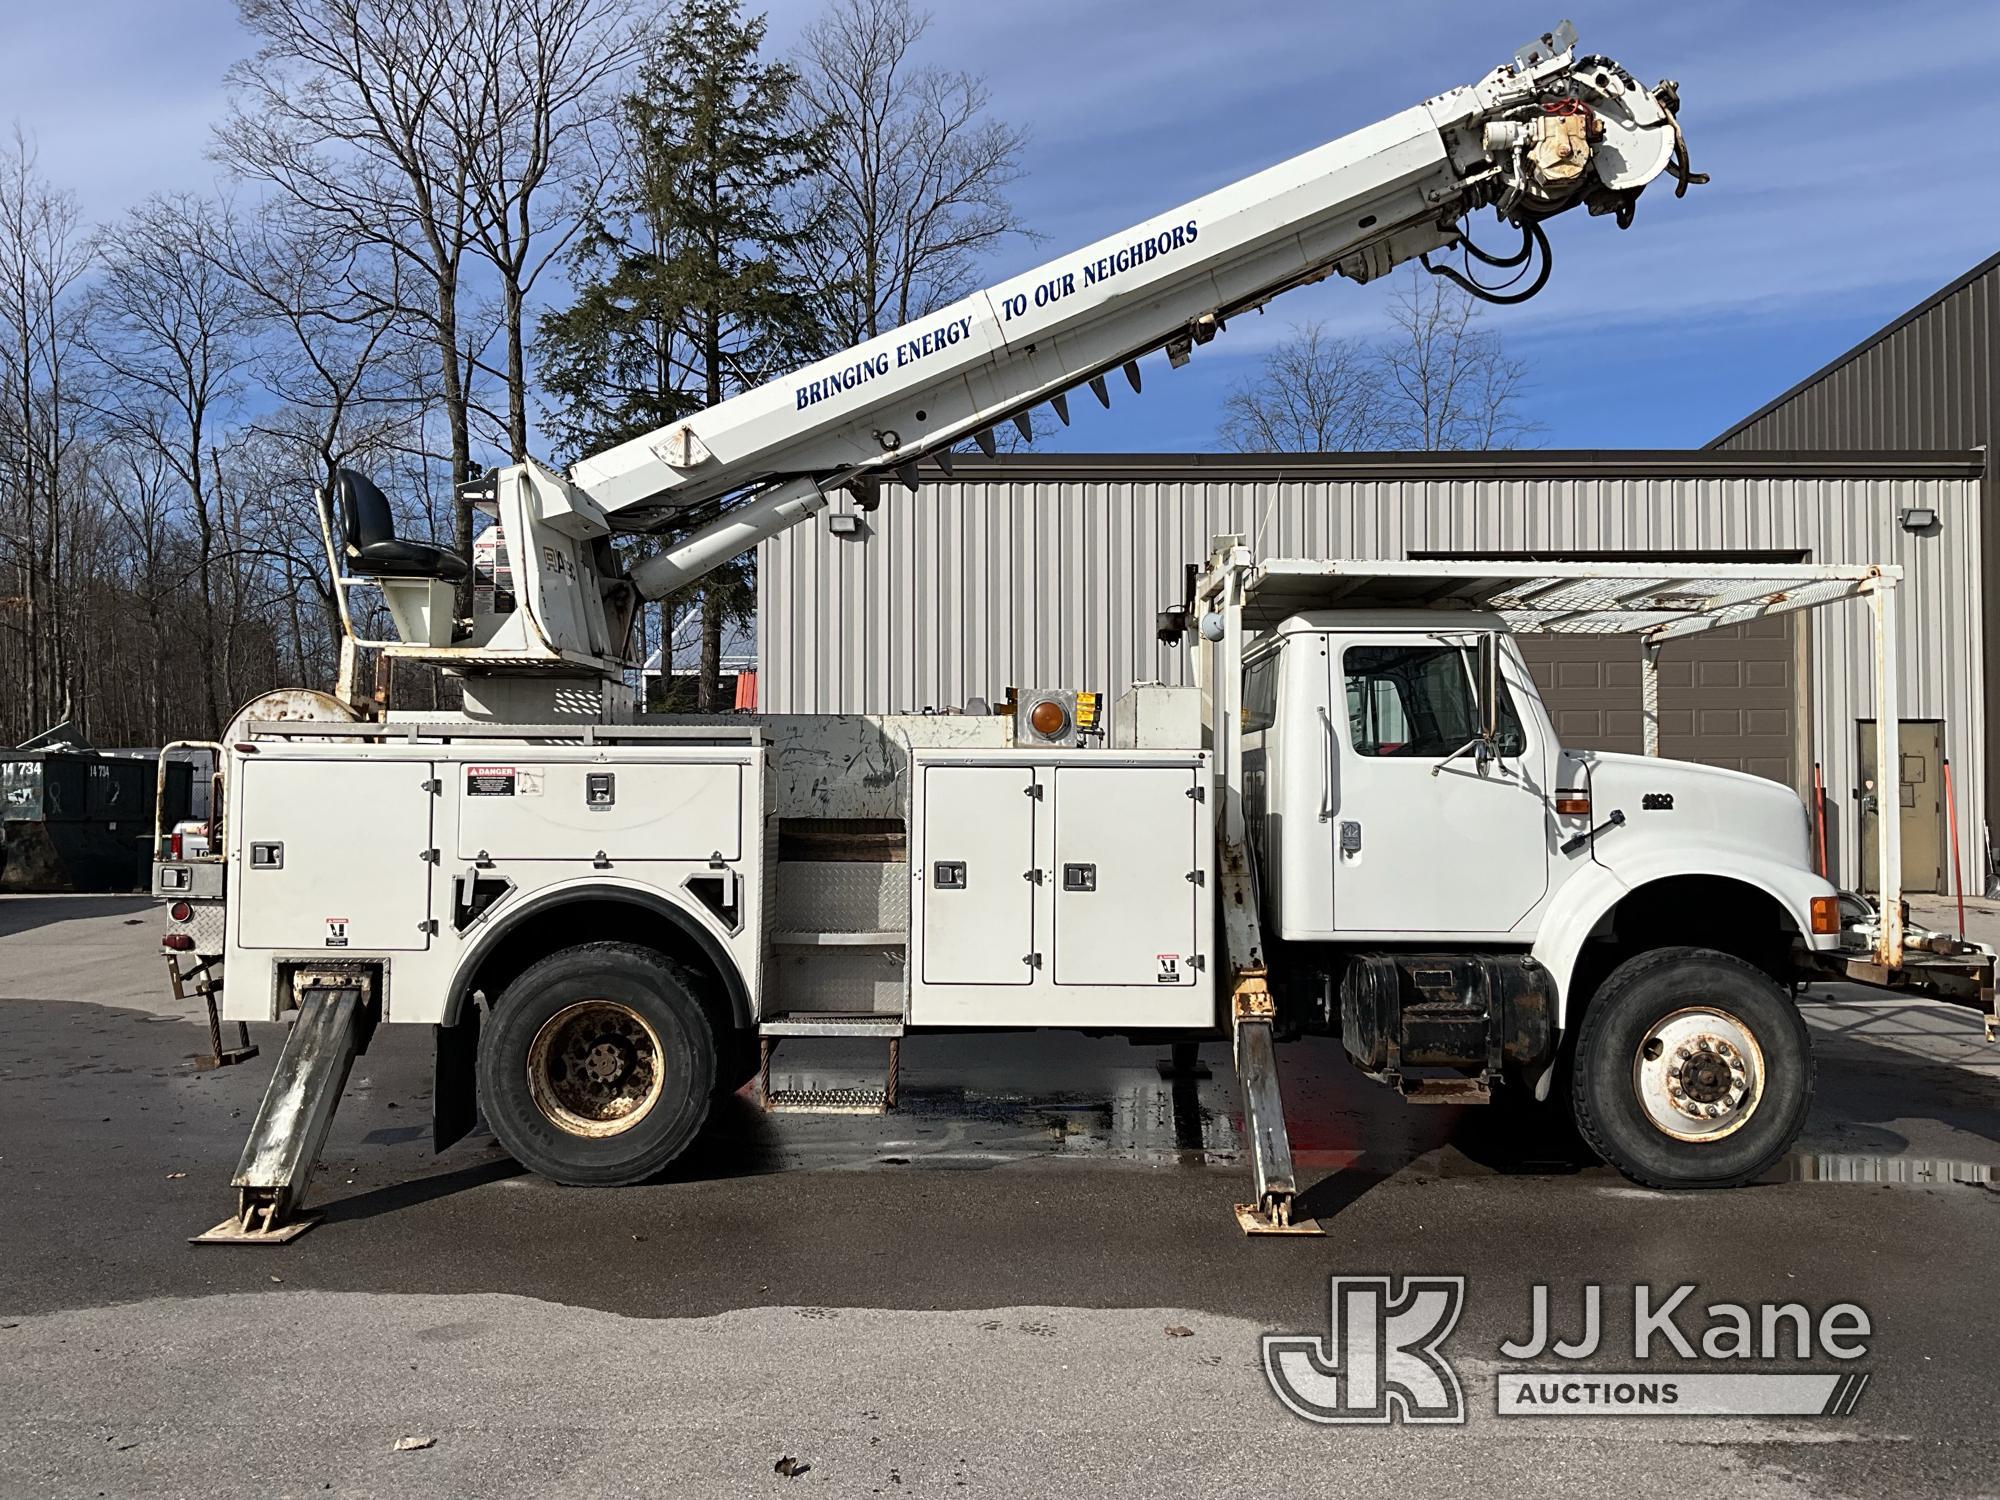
[{"x": 684, "y": 292}]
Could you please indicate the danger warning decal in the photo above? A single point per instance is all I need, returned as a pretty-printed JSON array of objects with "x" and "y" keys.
[
  {"x": 489, "y": 781},
  {"x": 336, "y": 932}
]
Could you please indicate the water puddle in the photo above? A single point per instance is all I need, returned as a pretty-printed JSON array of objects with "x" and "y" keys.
[{"x": 1885, "y": 1171}]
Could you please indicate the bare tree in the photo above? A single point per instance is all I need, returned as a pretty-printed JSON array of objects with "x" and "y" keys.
[
  {"x": 172, "y": 333},
  {"x": 537, "y": 86},
  {"x": 1450, "y": 381},
  {"x": 44, "y": 256},
  {"x": 140, "y": 489},
  {"x": 342, "y": 363},
  {"x": 351, "y": 111},
  {"x": 1439, "y": 380},
  {"x": 914, "y": 187},
  {"x": 1313, "y": 393}
]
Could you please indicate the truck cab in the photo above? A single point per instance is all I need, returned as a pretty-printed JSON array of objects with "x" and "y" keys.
[
  {"x": 1482, "y": 913},
  {"x": 1380, "y": 812}
]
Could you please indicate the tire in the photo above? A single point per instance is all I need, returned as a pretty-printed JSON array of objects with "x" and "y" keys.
[
  {"x": 597, "y": 1065},
  {"x": 1665, "y": 1088}
]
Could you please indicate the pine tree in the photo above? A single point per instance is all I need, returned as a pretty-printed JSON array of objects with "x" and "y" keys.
[{"x": 684, "y": 287}]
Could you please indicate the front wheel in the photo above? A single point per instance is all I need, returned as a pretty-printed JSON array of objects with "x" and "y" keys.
[
  {"x": 1693, "y": 1069},
  {"x": 597, "y": 1065}
]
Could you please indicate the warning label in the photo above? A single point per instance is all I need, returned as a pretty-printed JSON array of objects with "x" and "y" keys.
[
  {"x": 1170, "y": 969},
  {"x": 336, "y": 932},
  {"x": 489, "y": 781}
]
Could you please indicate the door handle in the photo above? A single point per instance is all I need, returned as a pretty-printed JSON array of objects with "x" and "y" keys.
[
  {"x": 1326, "y": 768},
  {"x": 1079, "y": 877}
]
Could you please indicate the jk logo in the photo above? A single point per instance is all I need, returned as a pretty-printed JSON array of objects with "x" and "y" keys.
[{"x": 1380, "y": 1359}]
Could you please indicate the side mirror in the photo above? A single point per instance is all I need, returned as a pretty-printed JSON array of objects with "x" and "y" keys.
[{"x": 1487, "y": 669}]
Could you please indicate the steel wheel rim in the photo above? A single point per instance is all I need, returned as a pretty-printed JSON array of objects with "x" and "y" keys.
[
  {"x": 595, "y": 1068},
  {"x": 1698, "y": 1074}
]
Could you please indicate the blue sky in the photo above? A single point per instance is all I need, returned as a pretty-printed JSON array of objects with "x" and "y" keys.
[{"x": 1851, "y": 147}]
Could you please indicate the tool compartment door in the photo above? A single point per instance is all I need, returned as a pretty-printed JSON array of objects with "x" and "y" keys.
[
  {"x": 977, "y": 877},
  {"x": 333, "y": 854},
  {"x": 626, "y": 809},
  {"x": 1125, "y": 849}
]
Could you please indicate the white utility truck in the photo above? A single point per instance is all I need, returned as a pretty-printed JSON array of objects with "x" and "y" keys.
[{"x": 1358, "y": 820}]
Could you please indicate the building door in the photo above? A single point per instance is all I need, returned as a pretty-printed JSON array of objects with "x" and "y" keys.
[{"x": 1918, "y": 796}]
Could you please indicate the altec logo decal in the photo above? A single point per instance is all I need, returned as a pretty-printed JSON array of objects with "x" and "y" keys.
[{"x": 1383, "y": 1358}]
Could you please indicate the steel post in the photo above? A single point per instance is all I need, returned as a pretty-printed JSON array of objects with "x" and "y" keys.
[
  {"x": 1649, "y": 695},
  {"x": 1888, "y": 762}
]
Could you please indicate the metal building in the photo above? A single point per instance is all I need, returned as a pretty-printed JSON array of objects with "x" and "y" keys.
[
  {"x": 1046, "y": 570},
  {"x": 1929, "y": 380}
]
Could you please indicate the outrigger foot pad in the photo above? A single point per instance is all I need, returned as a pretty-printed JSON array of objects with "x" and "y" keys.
[{"x": 1253, "y": 1218}]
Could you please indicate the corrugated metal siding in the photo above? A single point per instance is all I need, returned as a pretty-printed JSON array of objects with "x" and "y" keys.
[
  {"x": 1926, "y": 382},
  {"x": 972, "y": 584},
  {"x": 1931, "y": 379}
]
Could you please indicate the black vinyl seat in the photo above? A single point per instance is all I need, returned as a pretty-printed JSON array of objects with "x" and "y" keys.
[{"x": 372, "y": 546}]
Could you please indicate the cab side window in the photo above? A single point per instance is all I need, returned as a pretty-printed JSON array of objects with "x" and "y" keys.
[
  {"x": 1417, "y": 702},
  {"x": 1260, "y": 694}
]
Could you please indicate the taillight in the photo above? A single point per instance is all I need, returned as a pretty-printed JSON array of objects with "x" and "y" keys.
[
  {"x": 180, "y": 942},
  {"x": 180, "y": 911},
  {"x": 174, "y": 847}
]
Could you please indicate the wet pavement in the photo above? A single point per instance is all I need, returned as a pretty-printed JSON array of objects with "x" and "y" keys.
[{"x": 1027, "y": 1277}]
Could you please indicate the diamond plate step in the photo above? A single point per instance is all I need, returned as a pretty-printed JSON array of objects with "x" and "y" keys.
[
  {"x": 830, "y": 1101},
  {"x": 856, "y": 1101},
  {"x": 831, "y": 1023}
]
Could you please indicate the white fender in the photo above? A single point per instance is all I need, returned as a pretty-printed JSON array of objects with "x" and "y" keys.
[{"x": 1594, "y": 889}]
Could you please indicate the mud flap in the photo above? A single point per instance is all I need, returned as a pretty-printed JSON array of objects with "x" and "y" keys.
[{"x": 455, "y": 1079}]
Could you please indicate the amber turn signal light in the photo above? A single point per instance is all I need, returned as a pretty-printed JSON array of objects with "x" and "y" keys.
[
  {"x": 1825, "y": 915},
  {"x": 1573, "y": 804},
  {"x": 1048, "y": 718}
]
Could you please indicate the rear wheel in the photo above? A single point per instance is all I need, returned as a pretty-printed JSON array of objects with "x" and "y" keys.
[
  {"x": 597, "y": 1065},
  {"x": 1693, "y": 1069}
]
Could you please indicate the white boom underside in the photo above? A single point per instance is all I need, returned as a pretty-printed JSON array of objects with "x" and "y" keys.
[{"x": 1532, "y": 139}]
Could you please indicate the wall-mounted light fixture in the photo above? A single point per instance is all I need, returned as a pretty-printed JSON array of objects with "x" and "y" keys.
[
  {"x": 1918, "y": 517},
  {"x": 844, "y": 523}
]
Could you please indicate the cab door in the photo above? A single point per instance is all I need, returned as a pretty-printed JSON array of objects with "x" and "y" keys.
[{"x": 1423, "y": 840}]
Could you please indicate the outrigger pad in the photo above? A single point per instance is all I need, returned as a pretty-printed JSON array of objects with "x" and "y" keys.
[
  {"x": 231, "y": 1232},
  {"x": 1253, "y": 1221}
]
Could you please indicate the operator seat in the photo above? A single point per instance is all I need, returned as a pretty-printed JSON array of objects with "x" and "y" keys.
[{"x": 373, "y": 550}]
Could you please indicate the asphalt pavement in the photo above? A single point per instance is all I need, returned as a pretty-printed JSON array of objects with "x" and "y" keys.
[{"x": 1028, "y": 1281}]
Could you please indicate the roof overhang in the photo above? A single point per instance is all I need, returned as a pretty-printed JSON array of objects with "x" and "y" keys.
[{"x": 1656, "y": 601}]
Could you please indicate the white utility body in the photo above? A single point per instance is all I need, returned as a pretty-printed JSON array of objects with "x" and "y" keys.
[{"x": 1359, "y": 821}]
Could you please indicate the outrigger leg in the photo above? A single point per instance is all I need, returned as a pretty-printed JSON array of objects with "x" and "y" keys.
[
  {"x": 1251, "y": 1014},
  {"x": 1263, "y": 1115},
  {"x": 336, "y": 1017}
]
